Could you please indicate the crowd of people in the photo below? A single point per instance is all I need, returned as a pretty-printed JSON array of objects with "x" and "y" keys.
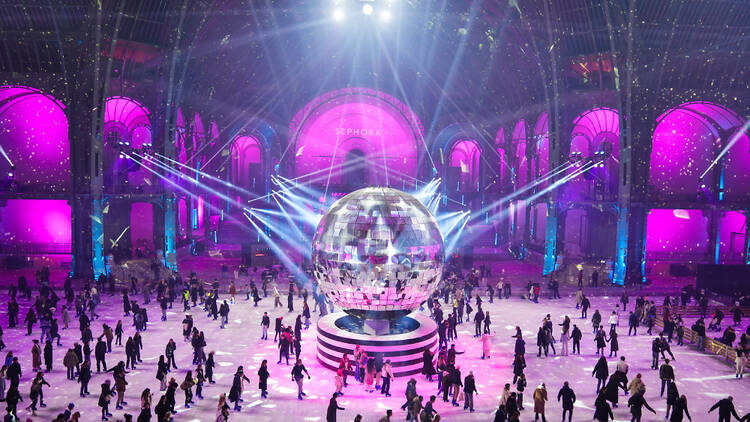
[{"x": 459, "y": 300}]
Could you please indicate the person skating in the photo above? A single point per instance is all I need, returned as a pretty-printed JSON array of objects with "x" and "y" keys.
[
  {"x": 601, "y": 371},
  {"x": 279, "y": 327},
  {"x": 263, "y": 376},
  {"x": 602, "y": 412},
  {"x": 297, "y": 377},
  {"x": 410, "y": 393},
  {"x": 387, "y": 374},
  {"x": 145, "y": 414},
  {"x": 636, "y": 404},
  {"x": 70, "y": 361},
  {"x": 478, "y": 319},
  {"x": 673, "y": 395},
  {"x": 568, "y": 397},
  {"x": 470, "y": 389},
  {"x": 540, "y": 399},
  {"x": 104, "y": 397},
  {"x": 169, "y": 353},
  {"x": 681, "y": 407},
  {"x": 726, "y": 409},
  {"x": 265, "y": 322},
  {"x": 520, "y": 387},
  {"x": 615, "y": 383},
  {"x": 84, "y": 376},
  {"x": 666, "y": 374},
  {"x": 235, "y": 393},
  {"x": 333, "y": 406},
  {"x": 210, "y": 365}
]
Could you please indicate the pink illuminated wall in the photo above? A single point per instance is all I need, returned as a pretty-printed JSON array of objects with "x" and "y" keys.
[
  {"x": 541, "y": 146},
  {"x": 519, "y": 140},
  {"x": 46, "y": 221},
  {"x": 687, "y": 139},
  {"x": 676, "y": 234},
  {"x": 466, "y": 154},
  {"x": 246, "y": 152},
  {"x": 181, "y": 141},
  {"x": 34, "y": 136},
  {"x": 499, "y": 148},
  {"x": 142, "y": 225},
  {"x": 732, "y": 237},
  {"x": 126, "y": 122},
  {"x": 333, "y": 125}
]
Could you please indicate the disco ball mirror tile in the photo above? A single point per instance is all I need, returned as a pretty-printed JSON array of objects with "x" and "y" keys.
[{"x": 378, "y": 249}]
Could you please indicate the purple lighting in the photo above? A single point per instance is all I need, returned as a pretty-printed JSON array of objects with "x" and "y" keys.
[
  {"x": 41, "y": 221},
  {"x": 686, "y": 141},
  {"x": 465, "y": 154},
  {"x": 676, "y": 234},
  {"x": 541, "y": 149},
  {"x": 34, "y": 135},
  {"x": 519, "y": 140}
]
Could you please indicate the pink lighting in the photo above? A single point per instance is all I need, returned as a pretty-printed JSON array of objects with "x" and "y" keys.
[
  {"x": 541, "y": 148},
  {"x": 247, "y": 154},
  {"x": 34, "y": 135},
  {"x": 465, "y": 154},
  {"x": 687, "y": 139},
  {"x": 357, "y": 121},
  {"x": 519, "y": 140},
  {"x": 676, "y": 234},
  {"x": 44, "y": 221}
]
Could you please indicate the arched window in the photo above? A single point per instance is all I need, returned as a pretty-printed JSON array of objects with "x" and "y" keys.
[
  {"x": 466, "y": 155},
  {"x": 34, "y": 144},
  {"x": 687, "y": 140},
  {"x": 247, "y": 163},
  {"x": 519, "y": 140}
]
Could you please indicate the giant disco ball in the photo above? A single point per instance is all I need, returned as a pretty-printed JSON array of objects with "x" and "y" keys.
[{"x": 378, "y": 252}]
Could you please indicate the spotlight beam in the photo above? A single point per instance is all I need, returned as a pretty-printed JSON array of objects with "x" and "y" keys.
[
  {"x": 730, "y": 144},
  {"x": 279, "y": 252}
]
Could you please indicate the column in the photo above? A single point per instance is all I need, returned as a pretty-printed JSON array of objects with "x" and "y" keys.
[
  {"x": 97, "y": 237},
  {"x": 170, "y": 232}
]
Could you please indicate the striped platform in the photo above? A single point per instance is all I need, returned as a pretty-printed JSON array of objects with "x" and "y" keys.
[{"x": 403, "y": 350}]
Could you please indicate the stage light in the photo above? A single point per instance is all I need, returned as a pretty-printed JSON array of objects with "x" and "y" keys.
[
  {"x": 385, "y": 16},
  {"x": 338, "y": 15},
  {"x": 367, "y": 9}
]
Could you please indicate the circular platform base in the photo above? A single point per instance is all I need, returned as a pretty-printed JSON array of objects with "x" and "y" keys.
[{"x": 404, "y": 349}]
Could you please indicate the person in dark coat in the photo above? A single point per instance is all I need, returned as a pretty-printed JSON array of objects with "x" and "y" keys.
[
  {"x": 601, "y": 371},
  {"x": 333, "y": 406},
  {"x": 263, "y": 378},
  {"x": 636, "y": 404},
  {"x": 576, "y": 335},
  {"x": 681, "y": 407},
  {"x": 672, "y": 396},
  {"x": 615, "y": 381},
  {"x": 210, "y": 364},
  {"x": 666, "y": 374},
  {"x": 470, "y": 389},
  {"x": 84, "y": 376},
  {"x": 603, "y": 412},
  {"x": 428, "y": 369},
  {"x": 568, "y": 397},
  {"x": 48, "y": 355},
  {"x": 235, "y": 393},
  {"x": 100, "y": 351},
  {"x": 518, "y": 366},
  {"x": 726, "y": 409}
]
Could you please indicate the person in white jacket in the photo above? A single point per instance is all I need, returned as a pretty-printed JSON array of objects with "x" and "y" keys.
[{"x": 387, "y": 374}]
